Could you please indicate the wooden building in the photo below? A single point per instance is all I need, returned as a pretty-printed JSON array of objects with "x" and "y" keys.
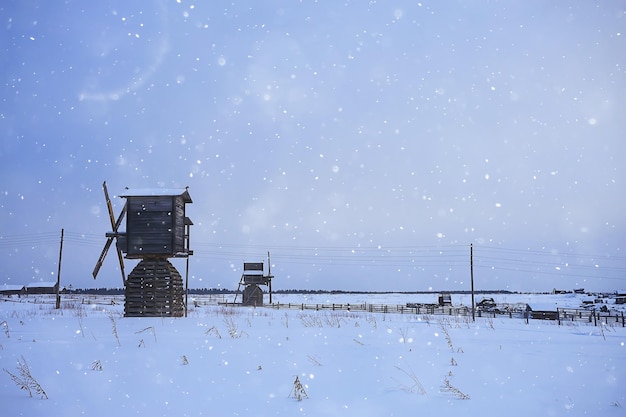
[
  {"x": 444, "y": 299},
  {"x": 41, "y": 288},
  {"x": 12, "y": 289}
]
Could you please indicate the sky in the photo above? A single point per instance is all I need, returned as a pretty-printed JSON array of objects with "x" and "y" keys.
[{"x": 365, "y": 145}]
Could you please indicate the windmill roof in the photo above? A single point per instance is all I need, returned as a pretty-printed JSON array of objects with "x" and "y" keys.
[{"x": 157, "y": 192}]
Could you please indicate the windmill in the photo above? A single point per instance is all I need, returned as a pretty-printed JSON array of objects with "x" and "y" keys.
[
  {"x": 156, "y": 229},
  {"x": 251, "y": 278}
]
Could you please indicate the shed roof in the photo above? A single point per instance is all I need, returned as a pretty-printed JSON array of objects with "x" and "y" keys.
[
  {"x": 543, "y": 306},
  {"x": 157, "y": 192},
  {"x": 41, "y": 284},
  {"x": 11, "y": 287}
]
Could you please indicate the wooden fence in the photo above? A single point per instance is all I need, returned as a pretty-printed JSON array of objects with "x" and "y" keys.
[
  {"x": 595, "y": 317},
  {"x": 561, "y": 316}
]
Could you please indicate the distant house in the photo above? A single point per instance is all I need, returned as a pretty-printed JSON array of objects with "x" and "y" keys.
[
  {"x": 545, "y": 311},
  {"x": 620, "y": 297},
  {"x": 41, "y": 288},
  {"x": 486, "y": 304},
  {"x": 444, "y": 299},
  {"x": 10, "y": 289}
]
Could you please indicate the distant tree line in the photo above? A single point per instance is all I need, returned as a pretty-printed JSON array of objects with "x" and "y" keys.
[
  {"x": 214, "y": 291},
  {"x": 120, "y": 291}
]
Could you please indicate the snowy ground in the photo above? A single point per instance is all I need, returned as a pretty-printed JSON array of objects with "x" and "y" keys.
[{"x": 91, "y": 361}]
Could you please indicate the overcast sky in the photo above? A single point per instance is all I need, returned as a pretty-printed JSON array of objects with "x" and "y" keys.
[{"x": 366, "y": 145}]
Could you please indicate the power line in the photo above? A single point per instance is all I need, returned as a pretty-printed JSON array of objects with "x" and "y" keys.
[{"x": 537, "y": 262}]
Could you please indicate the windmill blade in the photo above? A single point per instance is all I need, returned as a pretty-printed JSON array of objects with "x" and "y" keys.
[
  {"x": 118, "y": 222},
  {"x": 121, "y": 259},
  {"x": 115, "y": 224},
  {"x": 110, "y": 207},
  {"x": 102, "y": 256},
  {"x": 119, "y": 251}
]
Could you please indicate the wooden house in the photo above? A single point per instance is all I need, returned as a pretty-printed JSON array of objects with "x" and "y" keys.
[
  {"x": 486, "y": 304},
  {"x": 444, "y": 299},
  {"x": 12, "y": 289},
  {"x": 41, "y": 288}
]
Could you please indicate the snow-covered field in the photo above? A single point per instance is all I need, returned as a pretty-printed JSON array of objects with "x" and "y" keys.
[{"x": 221, "y": 361}]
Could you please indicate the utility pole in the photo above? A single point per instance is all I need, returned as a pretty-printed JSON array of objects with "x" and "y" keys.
[
  {"x": 269, "y": 274},
  {"x": 58, "y": 304},
  {"x": 186, "y": 285},
  {"x": 472, "y": 280},
  {"x": 187, "y": 227}
]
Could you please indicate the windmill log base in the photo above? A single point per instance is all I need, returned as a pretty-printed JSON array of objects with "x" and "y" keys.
[{"x": 154, "y": 289}]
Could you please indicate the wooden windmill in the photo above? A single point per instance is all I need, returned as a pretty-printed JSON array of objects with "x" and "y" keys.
[
  {"x": 156, "y": 229},
  {"x": 251, "y": 278}
]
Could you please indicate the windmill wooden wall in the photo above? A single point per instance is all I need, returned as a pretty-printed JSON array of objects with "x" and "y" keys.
[{"x": 155, "y": 225}]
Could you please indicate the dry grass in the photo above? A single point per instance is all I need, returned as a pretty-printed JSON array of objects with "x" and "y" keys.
[
  {"x": 25, "y": 380},
  {"x": 448, "y": 387},
  {"x": 415, "y": 386},
  {"x": 298, "y": 392}
]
